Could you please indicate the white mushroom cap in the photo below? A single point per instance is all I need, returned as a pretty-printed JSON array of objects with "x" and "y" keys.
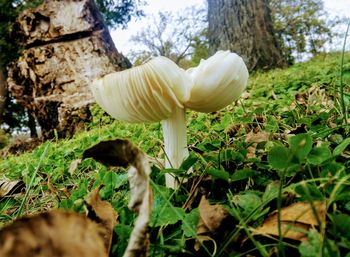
[
  {"x": 159, "y": 91},
  {"x": 145, "y": 93},
  {"x": 217, "y": 82}
]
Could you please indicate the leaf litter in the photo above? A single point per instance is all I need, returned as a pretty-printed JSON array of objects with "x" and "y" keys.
[
  {"x": 10, "y": 188},
  {"x": 296, "y": 220},
  {"x": 123, "y": 153},
  {"x": 68, "y": 234},
  {"x": 61, "y": 233}
]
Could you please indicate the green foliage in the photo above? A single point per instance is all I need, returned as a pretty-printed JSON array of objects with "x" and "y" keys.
[
  {"x": 14, "y": 115},
  {"x": 9, "y": 9},
  {"x": 305, "y": 157},
  {"x": 119, "y": 13},
  {"x": 302, "y": 26}
]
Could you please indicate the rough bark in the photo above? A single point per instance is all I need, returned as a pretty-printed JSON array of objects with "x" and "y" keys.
[
  {"x": 245, "y": 27},
  {"x": 32, "y": 126},
  {"x": 66, "y": 47},
  {"x": 3, "y": 90}
]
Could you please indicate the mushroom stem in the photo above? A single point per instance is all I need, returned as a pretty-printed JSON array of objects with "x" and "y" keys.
[{"x": 175, "y": 142}]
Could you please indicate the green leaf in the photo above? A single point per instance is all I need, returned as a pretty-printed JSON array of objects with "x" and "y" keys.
[
  {"x": 243, "y": 174},
  {"x": 318, "y": 155},
  {"x": 210, "y": 146},
  {"x": 341, "y": 223},
  {"x": 341, "y": 147},
  {"x": 300, "y": 145},
  {"x": 189, "y": 225},
  {"x": 220, "y": 174},
  {"x": 123, "y": 231},
  {"x": 307, "y": 191},
  {"x": 311, "y": 247},
  {"x": 333, "y": 168},
  {"x": 278, "y": 157},
  {"x": 115, "y": 180},
  {"x": 173, "y": 171},
  {"x": 167, "y": 216},
  {"x": 248, "y": 201},
  {"x": 112, "y": 181},
  {"x": 189, "y": 162}
]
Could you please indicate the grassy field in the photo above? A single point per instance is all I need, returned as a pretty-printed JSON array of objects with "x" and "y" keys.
[{"x": 285, "y": 143}]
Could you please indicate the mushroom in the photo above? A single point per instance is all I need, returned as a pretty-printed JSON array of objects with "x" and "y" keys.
[{"x": 161, "y": 91}]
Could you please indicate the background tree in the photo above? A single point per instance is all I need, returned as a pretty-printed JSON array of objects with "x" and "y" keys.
[
  {"x": 302, "y": 26},
  {"x": 14, "y": 117},
  {"x": 181, "y": 37},
  {"x": 119, "y": 12},
  {"x": 245, "y": 27}
]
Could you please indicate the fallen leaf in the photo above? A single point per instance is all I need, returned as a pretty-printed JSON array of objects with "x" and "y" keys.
[
  {"x": 102, "y": 213},
  {"x": 253, "y": 139},
  {"x": 296, "y": 220},
  {"x": 8, "y": 188},
  {"x": 55, "y": 234},
  {"x": 210, "y": 219},
  {"x": 212, "y": 215},
  {"x": 73, "y": 166},
  {"x": 123, "y": 153},
  {"x": 295, "y": 231},
  {"x": 302, "y": 212}
]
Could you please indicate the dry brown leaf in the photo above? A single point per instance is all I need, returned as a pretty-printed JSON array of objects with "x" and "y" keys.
[
  {"x": 123, "y": 153},
  {"x": 302, "y": 212},
  {"x": 296, "y": 220},
  {"x": 295, "y": 231},
  {"x": 212, "y": 215},
  {"x": 73, "y": 166},
  {"x": 102, "y": 213},
  {"x": 253, "y": 139},
  {"x": 55, "y": 234},
  {"x": 210, "y": 220},
  {"x": 8, "y": 188}
]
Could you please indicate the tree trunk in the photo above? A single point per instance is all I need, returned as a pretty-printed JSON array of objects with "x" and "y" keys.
[
  {"x": 3, "y": 90},
  {"x": 32, "y": 126},
  {"x": 245, "y": 27},
  {"x": 66, "y": 46}
]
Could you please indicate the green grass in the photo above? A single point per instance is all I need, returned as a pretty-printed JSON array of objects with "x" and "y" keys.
[{"x": 305, "y": 158}]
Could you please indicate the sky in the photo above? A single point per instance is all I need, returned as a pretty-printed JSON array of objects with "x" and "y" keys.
[{"x": 121, "y": 37}]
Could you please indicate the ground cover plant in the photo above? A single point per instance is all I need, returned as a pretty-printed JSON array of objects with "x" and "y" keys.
[{"x": 282, "y": 151}]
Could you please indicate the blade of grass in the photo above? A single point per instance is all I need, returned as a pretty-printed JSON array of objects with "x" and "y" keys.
[
  {"x": 20, "y": 210},
  {"x": 279, "y": 223},
  {"x": 342, "y": 98}
]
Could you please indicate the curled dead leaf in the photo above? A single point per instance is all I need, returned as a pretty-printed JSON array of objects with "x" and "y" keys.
[
  {"x": 9, "y": 188},
  {"x": 123, "y": 153},
  {"x": 211, "y": 218},
  {"x": 296, "y": 220},
  {"x": 118, "y": 153}
]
